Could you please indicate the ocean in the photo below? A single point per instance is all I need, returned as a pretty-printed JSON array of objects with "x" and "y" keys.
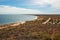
[{"x": 12, "y": 18}]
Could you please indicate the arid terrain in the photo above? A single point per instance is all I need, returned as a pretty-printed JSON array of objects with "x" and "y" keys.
[{"x": 41, "y": 28}]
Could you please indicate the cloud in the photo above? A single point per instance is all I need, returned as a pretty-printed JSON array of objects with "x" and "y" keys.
[
  {"x": 53, "y": 3},
  {"x": 14, "y": 10}
]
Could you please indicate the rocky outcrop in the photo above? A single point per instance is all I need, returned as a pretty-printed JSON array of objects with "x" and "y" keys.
[{"x": 49, "y": 19}]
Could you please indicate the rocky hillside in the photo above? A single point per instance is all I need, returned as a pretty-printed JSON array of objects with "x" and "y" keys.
[{"x": 42, "y": 28}]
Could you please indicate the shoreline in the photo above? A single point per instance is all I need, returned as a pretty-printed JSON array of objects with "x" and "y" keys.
[
  {"x": 11, "y": 24},
  {"x": 7, "y": 19},
  {"x": 15, "y": 23}
]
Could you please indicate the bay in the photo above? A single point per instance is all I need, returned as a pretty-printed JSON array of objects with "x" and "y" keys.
[{"x": 11, "y": 18}]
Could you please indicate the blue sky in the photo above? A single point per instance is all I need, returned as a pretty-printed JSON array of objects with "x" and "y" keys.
[{"x": 29, "y": 6}]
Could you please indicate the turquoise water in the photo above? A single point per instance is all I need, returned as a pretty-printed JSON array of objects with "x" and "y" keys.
[{"x": 11, "y": 18}]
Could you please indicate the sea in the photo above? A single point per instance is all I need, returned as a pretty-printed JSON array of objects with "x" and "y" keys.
[{"x": 13, "y": 18}]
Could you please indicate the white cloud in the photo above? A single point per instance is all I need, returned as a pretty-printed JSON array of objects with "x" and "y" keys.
[
  {"x": 15, "y": 10},
  {"x": 53, "y": 3}
]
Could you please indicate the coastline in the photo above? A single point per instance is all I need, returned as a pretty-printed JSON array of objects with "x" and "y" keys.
[
  {"x": 14, "y": 23},
  {"x": 9, "y": 18}
]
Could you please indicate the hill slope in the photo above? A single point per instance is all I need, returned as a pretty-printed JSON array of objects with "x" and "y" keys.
[{"x": 33, "y": 30}]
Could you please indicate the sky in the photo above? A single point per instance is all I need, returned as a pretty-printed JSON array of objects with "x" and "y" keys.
[{"x": 29, "y": 6}]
